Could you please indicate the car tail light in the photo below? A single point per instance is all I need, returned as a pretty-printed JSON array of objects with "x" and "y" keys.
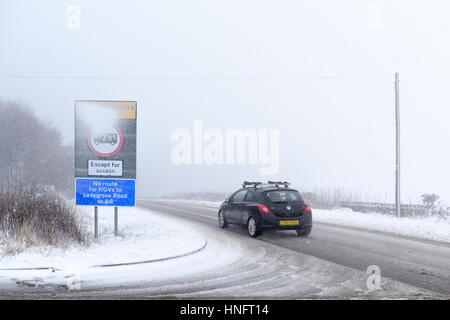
[
  {"x": 307, "y": 209},
  {"x": 263, "y": 208}
]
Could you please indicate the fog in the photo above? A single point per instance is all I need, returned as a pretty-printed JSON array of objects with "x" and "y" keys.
[{"x": 320, "y": 72}]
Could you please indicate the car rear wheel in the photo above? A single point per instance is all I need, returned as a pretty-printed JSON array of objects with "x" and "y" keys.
[
  {"x": 303, "y": 232},
  {"x": 253, "y": 228},
  {"x": 222, "y": 221}
]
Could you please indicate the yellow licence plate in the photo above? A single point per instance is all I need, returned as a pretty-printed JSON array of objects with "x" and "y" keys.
[{"x": 288, "y": 222}]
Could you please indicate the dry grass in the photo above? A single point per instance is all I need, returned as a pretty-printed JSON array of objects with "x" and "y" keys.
[
  {"x": 328, "y": 198},
  {"x": 36, "y": 216}
]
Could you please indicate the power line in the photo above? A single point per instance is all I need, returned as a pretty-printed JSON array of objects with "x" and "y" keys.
[{"x": 276, "y": 77}]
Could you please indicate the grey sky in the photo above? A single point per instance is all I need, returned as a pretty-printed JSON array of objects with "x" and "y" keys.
[{"x": 334, "y": 131}]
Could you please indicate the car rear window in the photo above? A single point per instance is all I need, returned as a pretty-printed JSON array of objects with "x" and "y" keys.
[{"x": 283, "y": 196}]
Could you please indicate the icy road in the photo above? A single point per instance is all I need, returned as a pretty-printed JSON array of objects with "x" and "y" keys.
[
  {"x": 419, "y": 263},
  {"x": 331, "y": 263}
]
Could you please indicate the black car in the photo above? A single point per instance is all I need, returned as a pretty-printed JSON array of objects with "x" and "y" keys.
[{"x": 263, "y": 206}]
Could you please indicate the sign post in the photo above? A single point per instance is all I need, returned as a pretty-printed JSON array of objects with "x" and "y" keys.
[
  {"x": 95, "y": 222},
  {"x": 116, "y": 221},
  {"x": 105, "y": 155}
]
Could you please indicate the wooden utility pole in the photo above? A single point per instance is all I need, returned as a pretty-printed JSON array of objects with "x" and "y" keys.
[{"x": 397, "y": 147}]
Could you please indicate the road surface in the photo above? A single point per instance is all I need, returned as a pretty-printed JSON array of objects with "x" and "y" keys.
[
  {"x": 421, "y": 263},
  {"x": 331, "y": 263}
]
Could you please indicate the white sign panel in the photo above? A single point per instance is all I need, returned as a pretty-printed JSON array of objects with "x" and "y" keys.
[{"x": 111, "y": 168}]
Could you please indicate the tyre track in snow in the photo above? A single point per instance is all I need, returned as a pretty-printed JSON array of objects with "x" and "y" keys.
[
  {"x": 274, "y": 265},
  {"x": 421, "y": 263}
]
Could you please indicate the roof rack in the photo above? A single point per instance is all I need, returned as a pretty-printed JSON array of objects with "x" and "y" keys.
[
  {"x": 248, "y": 184},
  {"x": 279, "y": 183}
]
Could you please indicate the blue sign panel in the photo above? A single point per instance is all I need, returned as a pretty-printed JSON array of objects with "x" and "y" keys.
[{"x": 105, "y": 192}]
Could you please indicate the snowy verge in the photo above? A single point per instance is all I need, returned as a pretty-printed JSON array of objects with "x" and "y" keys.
[
  {"x": 142, "y": 236},
  {"x": 431, "y": 228}
]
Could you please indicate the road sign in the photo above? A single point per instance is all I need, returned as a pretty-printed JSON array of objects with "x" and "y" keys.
[
  {"x": 106, "y": 144},
  {"x": 105, "y": 152},
  {"x": 105, "y": 192},
  {"x": 105, "y": 168},
  {"x": 105, "y": 135}
]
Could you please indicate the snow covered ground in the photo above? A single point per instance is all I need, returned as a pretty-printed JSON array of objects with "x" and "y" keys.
[
  {"x": 431, "y": 228},
  {"x": 142, "y": 236},
  {"x": 231, "y": 265}
]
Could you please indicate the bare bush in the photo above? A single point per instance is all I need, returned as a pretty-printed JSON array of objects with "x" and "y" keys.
[
  {"x": 33, "y": 216},
  {"x": 328, "y": 198}
]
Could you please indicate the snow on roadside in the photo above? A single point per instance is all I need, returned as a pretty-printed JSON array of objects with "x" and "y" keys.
[
  {"x": 202, "y": 203},
  {"x": 431, "y": 228},
  {"x": 142, "y": 236}
]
